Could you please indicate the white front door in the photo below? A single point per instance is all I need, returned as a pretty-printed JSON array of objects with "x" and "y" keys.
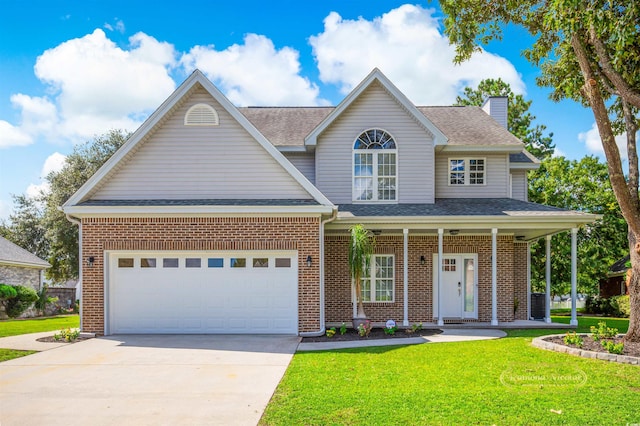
[{"x": 459, "y": 286}]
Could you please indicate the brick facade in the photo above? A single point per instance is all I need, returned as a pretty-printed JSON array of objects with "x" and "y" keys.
[
  {"x": 205, "y": 233},
  {"x": 511, "y": 279}
]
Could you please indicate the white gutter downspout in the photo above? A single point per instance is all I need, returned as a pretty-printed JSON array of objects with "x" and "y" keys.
[
  {"x": 79, "y": 223},
  {"x": 334, "y": 215}
]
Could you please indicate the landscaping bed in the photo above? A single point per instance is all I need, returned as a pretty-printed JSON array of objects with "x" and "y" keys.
[
  {"x": 376, "y": 333},
  {"x": 630, "y": 349}
]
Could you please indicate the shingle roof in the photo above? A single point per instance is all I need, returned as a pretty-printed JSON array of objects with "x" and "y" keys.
[
  {"x": 455, "y": 207},
  {"x": 620, "y": 266},
  {"x": 231, "y": 202},
  {"x": 12, "y": 253},
  {"x": 468, "y": 125},
  {"x": 462, "y": 125},
  {"x": 286, "y": 126}
]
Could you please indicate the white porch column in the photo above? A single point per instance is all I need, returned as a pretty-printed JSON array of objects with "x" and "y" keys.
[
  {"x": 494, "y": 276},
  {"x": 547, "y": 298},
  {"x": 574, "y": 275},
  {"x": 438, "y": 269},
  {"x": 405, "y": 293}
]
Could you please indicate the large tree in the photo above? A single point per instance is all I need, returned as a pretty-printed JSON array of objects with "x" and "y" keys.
[
  {"x": 61, "y": 234},
  {"x": 584, "y": 186},
  {"x": 25, "y": 227},
  {"x": 519, "y": 118},
  {"x": 589, "y": 51}
]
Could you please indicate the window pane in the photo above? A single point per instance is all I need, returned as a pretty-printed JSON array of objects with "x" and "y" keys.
[
  {"x": 384, "y": 290},
  {"x": 283, "y": 262},
  {"x": 193, "y": 262},
  {"x": 238, "y": 262},
  {"x": 147, "y": 262},
  {"x": 125, "y": 262},
  {"x": 170, "y": 262},
  {"x": 363, "y": 164},
  {"x": 469, "y": 283},
  {"x": 365, "y": 294},
  {"x": 215, "y": 262},
  {"x": 363, "y": 188},
  {"x": 260, "y": 262}
]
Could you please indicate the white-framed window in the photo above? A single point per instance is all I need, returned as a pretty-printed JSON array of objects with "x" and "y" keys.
[
  {"x": 467, "y": 171},
  {"x": 378, "y": 284},
  {"x": 375, "y": 164}
]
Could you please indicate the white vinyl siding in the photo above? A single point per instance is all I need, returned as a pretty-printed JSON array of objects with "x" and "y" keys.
[
  {"x": 376, "y": 109},
  {"x": 496, "y": 178},
  {"x": 200, "y": 162},
  {"x": 519, "y": 185},
  {"x": 305, "y": 163}
]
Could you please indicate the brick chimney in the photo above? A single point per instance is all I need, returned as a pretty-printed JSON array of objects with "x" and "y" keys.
[{"x": 496, "y": 107}]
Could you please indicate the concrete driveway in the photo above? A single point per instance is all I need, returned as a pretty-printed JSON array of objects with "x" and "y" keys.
[{"x": 146, "y": 380}]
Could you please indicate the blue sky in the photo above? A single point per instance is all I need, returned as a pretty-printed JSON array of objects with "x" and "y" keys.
[{"x": 73, "y": 69}]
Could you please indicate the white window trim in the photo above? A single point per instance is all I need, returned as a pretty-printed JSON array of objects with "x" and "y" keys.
[
  {"x": 373, "y": 279},
  {"x": 466, "y": 171},
  {"x": 374, "y": 200}
]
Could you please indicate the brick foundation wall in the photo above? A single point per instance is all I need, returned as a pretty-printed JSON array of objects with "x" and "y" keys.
[
  {"x": 511, "y": 279},
  {"x": 207, "y": 233}
]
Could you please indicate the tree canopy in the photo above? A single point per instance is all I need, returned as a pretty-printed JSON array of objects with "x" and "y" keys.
[{"x": 588, "y": 51}]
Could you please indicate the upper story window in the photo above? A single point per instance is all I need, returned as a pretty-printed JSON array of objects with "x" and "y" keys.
[
  {"x": 467, "y": 171},
  {"x": 374, "y": 167}
]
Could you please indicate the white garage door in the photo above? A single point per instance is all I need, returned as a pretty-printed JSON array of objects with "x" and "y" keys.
[{"x": 208, "y": 292}]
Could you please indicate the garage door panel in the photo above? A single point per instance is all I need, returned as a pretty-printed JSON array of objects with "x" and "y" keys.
[{"x": 212, "y": 298}]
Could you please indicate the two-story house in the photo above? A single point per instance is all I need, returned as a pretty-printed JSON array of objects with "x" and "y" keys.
[{"x": 218, "y": 219}]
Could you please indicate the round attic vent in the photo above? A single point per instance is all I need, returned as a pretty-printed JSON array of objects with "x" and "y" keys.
[{"x": 201, "y": 115}]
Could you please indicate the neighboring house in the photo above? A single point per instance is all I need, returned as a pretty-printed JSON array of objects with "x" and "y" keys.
[
  {"x": 20, "y": 267},
  {"x": 616, "y": 282},
  {"x": 218, "y": 219}
]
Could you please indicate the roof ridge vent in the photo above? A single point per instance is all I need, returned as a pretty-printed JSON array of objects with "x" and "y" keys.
[{"x": 201, "y": 115}]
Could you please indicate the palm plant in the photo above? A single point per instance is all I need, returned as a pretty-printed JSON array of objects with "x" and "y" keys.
[{"x": 360, "y": 251}]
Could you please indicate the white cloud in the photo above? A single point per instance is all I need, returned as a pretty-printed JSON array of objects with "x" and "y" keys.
[
  {"x": 53, "y": 163},
  {"x": 593, "y": 143},
  {"x": 11, "y": 135},
  {"x": 407, "y": 45},
  {"x": 119, "y": 26},
  {"x": 255, "y": 73}
]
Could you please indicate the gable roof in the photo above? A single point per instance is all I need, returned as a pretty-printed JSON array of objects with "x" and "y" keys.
[
  {"x": 13, "y": 254},
  {"x": 197, "y": 77},
  {"x": 376, "y": 76}
]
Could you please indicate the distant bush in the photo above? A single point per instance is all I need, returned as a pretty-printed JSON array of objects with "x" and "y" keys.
[
  {"x": 617, "y": 306},
  {"x": 24, "y": 298}
]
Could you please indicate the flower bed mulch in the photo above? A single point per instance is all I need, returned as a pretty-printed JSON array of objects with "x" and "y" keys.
[
  {"x": 630, "y": 349},
  {"x": 376, "y": 333},
  {"x": 50, "y": 339}
]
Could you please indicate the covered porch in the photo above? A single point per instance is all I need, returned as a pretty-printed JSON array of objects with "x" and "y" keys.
[{"x": 489, "y": 237}]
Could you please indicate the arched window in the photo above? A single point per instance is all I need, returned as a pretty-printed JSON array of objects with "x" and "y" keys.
[
  {"x": 201, "y": 115},
  {"x": 374, "y": 166}
]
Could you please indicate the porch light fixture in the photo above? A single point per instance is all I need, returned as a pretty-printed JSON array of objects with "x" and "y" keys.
[
  {"x": 422, "y": 260},
  {"x": 376, "y": 231},
  {"x": 454, "y": 231},
  {"x": 309, "y": 260},
  {"x": 90, "y": 261}
]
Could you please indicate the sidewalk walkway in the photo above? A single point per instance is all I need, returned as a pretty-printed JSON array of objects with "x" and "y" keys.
[
  {"x": 447, "y": 335},
  {"x": 28, "y": 342}
]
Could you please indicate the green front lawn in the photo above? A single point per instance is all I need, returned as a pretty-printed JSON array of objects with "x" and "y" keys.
[
  {"x": 35, "y": 325},
  {"x": 7, "y": 354},
  {"x": 502, "y": 382}
]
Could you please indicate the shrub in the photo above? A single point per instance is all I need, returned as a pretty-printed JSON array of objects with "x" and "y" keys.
[
  {"x": 331, "y": 332},
  {"x": 602, "y": 332},
  {"x": 612, "y": 347},
  {"x": 25, "y": 296},
  {"x": 608, "y": 307},
  {"x": 573, "y": 339},
  {"x": 624, "y": 306},
  {"x": 44, "y": 300},
  {"x": 68, "y": 335},
  {"x": 343, "y": 328},
  {"x": 7, "y": 292},
  {"x": 364, "y": 329}
]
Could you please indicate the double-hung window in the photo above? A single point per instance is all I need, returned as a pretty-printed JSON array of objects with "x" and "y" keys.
[
  {"x": 374, "y": 167},
  {"x": 379, "y": 281},
  {"x": 467, "y": 171}
]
